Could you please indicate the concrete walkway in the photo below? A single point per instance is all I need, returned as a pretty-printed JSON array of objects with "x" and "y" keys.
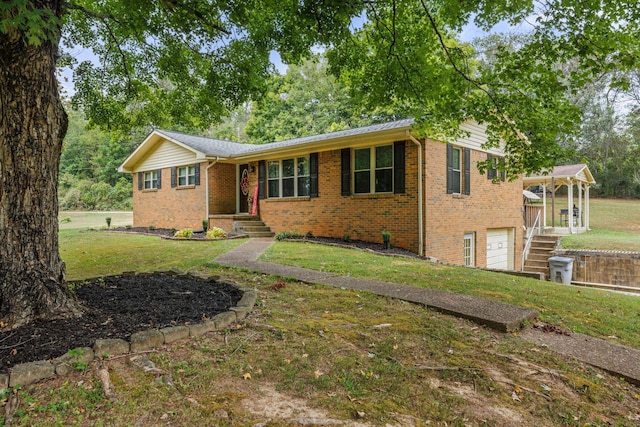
[{"x": 616, "y": 359}]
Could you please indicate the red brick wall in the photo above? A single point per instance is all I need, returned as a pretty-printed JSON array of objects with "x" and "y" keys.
[
  {"x": 170, "y": 207},
  {"x": 362, "y": 217},
  {"x": 448, "y": 217}
]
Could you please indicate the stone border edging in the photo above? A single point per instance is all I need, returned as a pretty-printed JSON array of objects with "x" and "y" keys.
[{"x": 28, "y": 373}]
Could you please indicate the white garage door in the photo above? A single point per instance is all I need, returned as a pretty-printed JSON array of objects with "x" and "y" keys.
[{"x": 500, "y": 248}]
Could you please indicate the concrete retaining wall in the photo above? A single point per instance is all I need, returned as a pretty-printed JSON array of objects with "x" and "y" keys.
[{"x": 605, "y": 267}]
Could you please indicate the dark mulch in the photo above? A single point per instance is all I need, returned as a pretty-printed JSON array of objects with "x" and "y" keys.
[
  {"x": 116, "y": 307},
  {"x": 359, "y": 244},
  {"x": 162, "y": 232}
]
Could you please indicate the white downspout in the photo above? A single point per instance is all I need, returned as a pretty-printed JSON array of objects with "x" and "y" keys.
[
  {"x": 206, "y": 186},
  {"x": 420, "y": 197}
]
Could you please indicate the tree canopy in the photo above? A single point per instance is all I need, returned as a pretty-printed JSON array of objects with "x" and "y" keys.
[{"x": 188, "y": 63}]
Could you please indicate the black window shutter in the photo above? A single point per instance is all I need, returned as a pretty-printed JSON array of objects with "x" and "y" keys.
[
  {"x": 491, "y": 170},
  {"x": 398, "y": 167},
  {"x": 313, "y": 175},
  {"x": 345, "y": 155},
  {"x": 140, "y": 179},
  {"x": 467, "y": 171},
  {"x": 159, "y": 185},
  {"x": 173, "y": 177},
  {"x": 262, "y": 171},
  {"x": 450, "y": 169},
  {"x": 197, "y": 178}
]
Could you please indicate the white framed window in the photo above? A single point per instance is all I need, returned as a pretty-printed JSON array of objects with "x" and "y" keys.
[
  {"x": 373, "y": 170},
  {"x": 186, "y": 175},
  {"x": 150, "y": 180},
  {"x": 469, "y": 249},
  {"x": 457, "y": 171},
  {"x": 289, "y": 177}
]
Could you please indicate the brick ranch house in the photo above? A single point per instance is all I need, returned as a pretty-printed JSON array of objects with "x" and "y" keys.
[{"x": 357, "y": 182}]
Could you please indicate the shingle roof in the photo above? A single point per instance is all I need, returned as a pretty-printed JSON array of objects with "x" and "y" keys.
[
  {"x": 331, "y": 135},
  {"x": 218, "y": 147},
  {"x": 208, "y": 146}
]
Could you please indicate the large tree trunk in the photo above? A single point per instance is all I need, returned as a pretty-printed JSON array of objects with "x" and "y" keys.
[{"x": 33, "y": 124}]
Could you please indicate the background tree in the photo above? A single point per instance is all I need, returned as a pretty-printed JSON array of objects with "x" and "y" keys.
[{"x": 307, "y": 100}]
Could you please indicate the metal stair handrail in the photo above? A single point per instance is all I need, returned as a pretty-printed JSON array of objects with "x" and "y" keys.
[{"x": 530, "y": 233}]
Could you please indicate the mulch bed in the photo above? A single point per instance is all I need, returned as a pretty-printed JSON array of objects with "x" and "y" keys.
[
  {"x": 164, "y": 232},
  {"x": 116, "y": 307},
  {"x": 377, "y": 248}
]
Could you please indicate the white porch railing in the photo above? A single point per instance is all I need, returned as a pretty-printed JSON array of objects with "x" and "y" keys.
[{"x": 531, "y": 231}]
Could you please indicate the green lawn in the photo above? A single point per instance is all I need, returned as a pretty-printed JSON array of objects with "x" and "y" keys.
[
  {"x": 94, "y": 253},
  {"x": 590, "y": 311},
  {"x": 84, "y": 220},
  {"x": 322, "y": 352},
  {"x": 614, "y": 223}
]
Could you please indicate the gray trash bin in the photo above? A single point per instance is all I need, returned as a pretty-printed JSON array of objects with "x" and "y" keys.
[{"x": 561, "y": 269}]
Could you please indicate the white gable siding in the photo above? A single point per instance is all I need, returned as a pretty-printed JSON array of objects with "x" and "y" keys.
[
  {"x": 477, "y": 136},
  {"x": 166, "y": 154},
  {"x": 582, "y": 176}
]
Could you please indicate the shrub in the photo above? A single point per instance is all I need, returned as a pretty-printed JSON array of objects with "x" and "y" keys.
[
  {"x": 386, "y": 239},
  {"x": 108, "y": 219},
  {"x": 216, "y": 233},
  {"x": 283, "y": 235},
  {"x": 205, "y": 225},
  {"x": 346, "y": 237},
  {"x": 185, "y": 233}
]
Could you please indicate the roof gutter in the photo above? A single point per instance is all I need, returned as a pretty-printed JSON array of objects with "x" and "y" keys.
[
  {"x": 420, "y": 195},
  {"x": 206, "y": 186}
]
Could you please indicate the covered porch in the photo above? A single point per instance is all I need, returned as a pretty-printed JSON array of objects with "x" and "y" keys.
[{"x": 556, "y": 215}]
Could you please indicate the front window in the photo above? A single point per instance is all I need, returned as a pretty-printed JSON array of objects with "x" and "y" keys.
[
  {"x": 457, "y": 172},
  {"x": 186, "y": 176},
  {"x": 289, "y": 177},
  {"x": 373, "y": 170},
  {"x": 151, "y": 180}
]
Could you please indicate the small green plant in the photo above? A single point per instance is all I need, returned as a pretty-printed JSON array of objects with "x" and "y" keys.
[
  {"x": 283, "y": 235},
  {"x": 173, "y": 230},
  {"x": 65, "y": 219},
  {"x": 152, "y": 227},
  {"x": 128, "y": 226},
  {"x": 309, "y": 234},
  {"x": 216, "y": 233},
  {"x": 185, "y": 233},
  {"x": 108, "y": 220},
  {"x": 205, "y": 225},
  {"x": 386, "y": 239},
  {"x": 346, "y": 237}
]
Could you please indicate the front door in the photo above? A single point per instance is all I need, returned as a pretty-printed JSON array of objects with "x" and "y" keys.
[{"x": 243, "y": 190}]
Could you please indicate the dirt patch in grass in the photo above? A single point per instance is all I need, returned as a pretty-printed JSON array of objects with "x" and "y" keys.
[{"x": 116, "y": 307}]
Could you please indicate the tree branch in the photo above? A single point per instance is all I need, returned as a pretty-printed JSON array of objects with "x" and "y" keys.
[{"x": 479, "y": 86}]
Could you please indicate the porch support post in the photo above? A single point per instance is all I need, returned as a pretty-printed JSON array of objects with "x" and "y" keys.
[
  {"x": 580, "y": 207},
  {"x": 587, "y": 207},
  {"x": 570, "y": 206},
  {"x": 543, "y": 224},
  {"x": 553, "y": 202}
]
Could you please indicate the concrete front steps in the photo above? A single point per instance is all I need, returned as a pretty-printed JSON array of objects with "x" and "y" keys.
[
  {"x": 538, "y": 259},
  {"x": 252, "y": 227}
]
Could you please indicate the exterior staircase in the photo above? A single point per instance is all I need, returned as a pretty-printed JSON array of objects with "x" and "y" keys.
[
  {"x": 252, "y": 227},
  {"x": 538, "y": 259}
]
